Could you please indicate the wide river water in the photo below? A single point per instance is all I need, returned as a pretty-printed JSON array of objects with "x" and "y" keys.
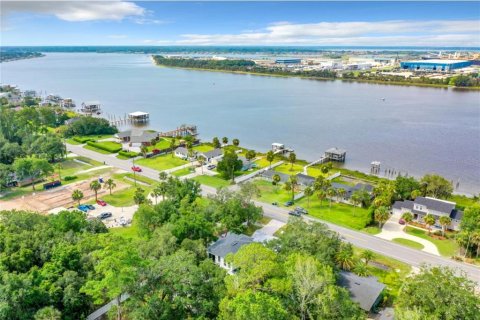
[{"x": 414, "y": 130}]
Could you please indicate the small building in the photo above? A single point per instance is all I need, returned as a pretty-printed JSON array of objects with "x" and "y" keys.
[
  {"x": 181, "y": 152},
  {"x": 350, "y": 190},
  {"x": 435, "y": 65},
  {"x": 335, "y": 154},
  {"x": 366, "y": 291},
  {"x": 277, "y": 146},
  {"x": 288, "y": 61},
  {"x": 68, "y": 103},
  {"x": 212, "y": 156},
  {"x": 92, "y": 107},
  {"x": 268, "y": 174},
  {"x": 422, "y": 206},
  {"x": 30, "y": 94},
  {"x": 53, "y": 99},
  {"x": 246, "y": 165},
  {"x": 12, "y": 97},
  {"x": 305, "y": 180},
  {"x": 137, "y": 138},
  {"x": 226, "y": 245},
  {"x": 138, "y": 116}
]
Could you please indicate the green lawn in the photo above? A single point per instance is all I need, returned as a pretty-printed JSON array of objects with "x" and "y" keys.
[
  {"x": 90, "y": 161},
  {"x": 163, "y": 143},
  {"x": 212, "y": 181},
  {"x": 96, "y": 149},
  {"x": 408, "y": 243},
  {"x": 130, "y": 232},
  {"x": 463, "y": 201},
  {"x": 286, "y": 166},
  {"x": 203, "y": 147},
  {"x": 270, "y": 193},
  {"x": 71, "y": 141},
  {"x": 446, "y": 247},
  {"x": 182, "y": 172},
  {"x": 372, "y": 230},
  {"x": 161, "y": 163}
]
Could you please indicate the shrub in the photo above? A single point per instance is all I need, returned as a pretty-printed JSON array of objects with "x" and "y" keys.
[
  {"x": 82, "y": 139},
  {"x": 128, "y": 154},
  {"x": 109, "y": 146},
  {"x": 69, "y": 178}
]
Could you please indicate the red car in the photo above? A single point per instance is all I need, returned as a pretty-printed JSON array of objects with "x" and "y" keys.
[
  {"x": 401, "y": 221},
  {"x": 101, "y": 203},
  {"x": 137, "y": 169}
]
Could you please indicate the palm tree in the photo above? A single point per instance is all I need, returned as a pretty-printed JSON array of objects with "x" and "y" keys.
[
  {"x": 341, "y": 193},
  {"x": 344, "y": 257},
  {"x": 156, "y": 193},
  {"x": 161, "y": 189},
  {"x": 361, "y": 270},
  {"x": 429, "y": 220},
  {"x": 308, "y": 192},
  {"x": 276, "y": 179},
  {"x": 355, "y": 198},
  {"x": 367, "y": 256},
  {"x": 407, "y": 217},
  {"x": 476, "y": 241},
  {"x": 321, "y": 195},
  {"x": 236, "y": 142},
  {"x": 293, "y": 183},
  {"x": 144, "y": 150},
  {"x": 163, "y": 176},
  {"x": 110, "y": 184},
  {"x": 381, "y": 215},
  {"x": 201, "y": 161},
  {"x": 270, "y": 157},
  {"x": 77, "y": 195},
  {"x": 444, "y": 222},
  {"x": 95, "y": 186},
  {"x": 331, "y": 192},
  {"x": 59, "y": 168},
  {"x": 292, "y": 157},
  {"x": 173, "y": 141},
  {"x": 224, "y": 140}
]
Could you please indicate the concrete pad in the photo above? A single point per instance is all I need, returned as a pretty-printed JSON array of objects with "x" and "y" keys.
[{"x": 267, "y": 232}]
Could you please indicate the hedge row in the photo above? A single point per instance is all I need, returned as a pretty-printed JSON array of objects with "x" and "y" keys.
[
  {"x": 82, "y": 139},
  {"x": 128, "y": 154},
  {"x": 112, "y": 147}
]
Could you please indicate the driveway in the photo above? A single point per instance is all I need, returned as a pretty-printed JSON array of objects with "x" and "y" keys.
[
  {"x": 392, "y": 229},
  {"x": 267, "y": 232}
]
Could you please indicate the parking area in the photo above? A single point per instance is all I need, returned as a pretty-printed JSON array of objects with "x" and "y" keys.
[
  {"x": 267, "y": 232},
  {"x": 119, "y": 214}
]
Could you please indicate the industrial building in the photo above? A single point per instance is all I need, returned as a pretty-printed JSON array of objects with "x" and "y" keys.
[
  {"x": 288, "y": 61},
  {"x": 435, "y": 65}
]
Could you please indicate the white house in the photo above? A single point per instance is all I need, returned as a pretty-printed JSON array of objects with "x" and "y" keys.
[
  {"x": 181, "y": 152},
  {"x": 426, "y": 205},
  {"x": 230, "y": 243}
]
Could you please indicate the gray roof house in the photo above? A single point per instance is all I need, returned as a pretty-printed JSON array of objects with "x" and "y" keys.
[
  {"x": 212, "y": 154},
  {"x": 366, "y": 291},
  {"x": 270, "y": 173},
  {"x": 230, "y": 243},
  {"x": 422, "y": 206},
  {"x": 305, "y": 180},
  {"x": 138, "y": 136},
  {"x": 181, "y": 152}
]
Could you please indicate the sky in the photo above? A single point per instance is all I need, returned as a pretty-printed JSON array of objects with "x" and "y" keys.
[{"x": 119, "y": 22}]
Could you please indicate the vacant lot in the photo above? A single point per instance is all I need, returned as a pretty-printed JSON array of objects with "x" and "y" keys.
[
  {"x": 212, "y": 181},
  {"x": 162, "y": 162}
]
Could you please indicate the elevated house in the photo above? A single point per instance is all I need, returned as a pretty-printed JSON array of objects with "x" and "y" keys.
[
  {"x": 366, "y": 291},
  {"x": 137, "y": 138},
  {"x": 229, "y": 244},
  {"x": 335, "y": 154},
  {"x": 91, "y": 107},
  {"x": 212, "y": 156},
  {"x": 422, "y": 206},
  {"x": 68, "y": 103},
  {"x": 138, "y": 116}
]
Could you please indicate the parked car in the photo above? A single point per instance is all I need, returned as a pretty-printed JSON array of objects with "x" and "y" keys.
[
  {"x": 401, "y": 221},
  {"x": 155, "y": 151},
  {"x": 83, "y": 208},
  {"x": 102, "y": 203},
  {"x": 301, "y": 210},
  {"x": 274, "y": 203},
  {"x": 288, "y": 203},
  {"x": 90, "y": 207},
  {"x": 123, "y": 221},
  {"x": 211, "y": 166},
  {"x": 294, "y": 213},
  {"x": 136, "y": 169},
  {"x": 104, "y": 215}
]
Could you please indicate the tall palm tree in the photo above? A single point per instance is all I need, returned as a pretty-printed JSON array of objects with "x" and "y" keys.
[
  {"x": 110, "y": 184},
  {"x": 476, "y": 241},
  {"x": 429, "y": 220},
  {"x": 236, "y": 142},
  {"x": 331, "y": 192},
  {"x": 95, "y": 186},
  {"x": 321, "y": 195},
  {"x": 201, "y": 161},
  {"x": 341, "y": 193},
  {"x": 361, "y": 270},
  {"x": 173, "y": 141},
  {"x": 344, "y": 258},
  {"x": 407, "y": 217},
  {"x": 77, "y": 195},
  {"x": 355, "y": 198},
  {"x": 444, "y": 222},
  {"x": 270, "y": 157},
  {"x": 144, "y": 150},
  {"x": 163, "y": 176},
  {"x": 161, "y": 189},
  {"x": 308, "y": 192},
  {"x": 292, "y": 157},
  {"x": 294, "y": 183},
  {"x": 367, "y": 256}
]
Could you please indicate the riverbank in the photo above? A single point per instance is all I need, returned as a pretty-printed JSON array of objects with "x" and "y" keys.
[
  {"x": 14, "y": 56},
  {"x": 394, "y": 83}
]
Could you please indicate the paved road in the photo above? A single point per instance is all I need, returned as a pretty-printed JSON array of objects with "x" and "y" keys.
[{"x": 405, "y": 254}]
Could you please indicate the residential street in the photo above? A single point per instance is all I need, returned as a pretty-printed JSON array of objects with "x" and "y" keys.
[{"x": 402, "y": 253}]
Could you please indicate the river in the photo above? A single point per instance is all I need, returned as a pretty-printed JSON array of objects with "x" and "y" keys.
[{"x": 414, "y": 130}]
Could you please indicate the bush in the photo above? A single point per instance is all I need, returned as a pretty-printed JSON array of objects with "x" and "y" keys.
[
  {"x": 109, "y": 146},
  {"x": 90, "y": 126},
  {"x": 69, "y": 178},
  {"x": 128, "y": 154},
  {"x": 82, "y": 139}
]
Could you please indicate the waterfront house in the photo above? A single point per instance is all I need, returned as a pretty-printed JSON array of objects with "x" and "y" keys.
[
  {"x": 92, "y": 107},
  {"x": 305, "y": 180},
  {"x": 268, "y": 174},
  {"x": 335, "y": 154},
  {"x": 137, "y": 138},
  {"x": 212, "y": 156},
  {"x": 422, "y": 206},
  {"x": 12, "y": 97},
  {"x": 181, "y": 152},
  {"x": 139, "y": 116},
  {"x": 350, "y": 190},
  {"x": 228, "y": 244},
  {"x": 366, "y": 291}
]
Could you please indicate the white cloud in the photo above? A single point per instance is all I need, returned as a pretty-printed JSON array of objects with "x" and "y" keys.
[
  {"x": 381, "y": 33},
  {"x": 76, "y": 10},
  {"x": 117, "y": 36}
]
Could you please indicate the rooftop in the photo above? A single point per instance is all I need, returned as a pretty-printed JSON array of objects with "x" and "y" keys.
[
  {"x": 138, "y": 114},
  {"x": 336, "y": 151},
  {"x": 436, "y": 204},
  {"x": 364, "y": 290},
  {"x": 436, "y": 61},
  {"x": 231, "y": 243}
]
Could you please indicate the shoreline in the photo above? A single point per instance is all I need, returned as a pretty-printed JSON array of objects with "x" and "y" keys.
[{"x": 394, "y": 83}]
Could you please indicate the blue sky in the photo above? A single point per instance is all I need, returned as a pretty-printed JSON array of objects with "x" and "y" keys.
[{"x": 240, "y": 23}]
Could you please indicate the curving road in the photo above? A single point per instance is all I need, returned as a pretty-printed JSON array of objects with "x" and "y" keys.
[{"x": 410, "y": 256}]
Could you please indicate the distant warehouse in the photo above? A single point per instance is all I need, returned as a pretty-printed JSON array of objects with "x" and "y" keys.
[
  {"x": 288, "y": 61},
  {"x": 435, "y": 64}
]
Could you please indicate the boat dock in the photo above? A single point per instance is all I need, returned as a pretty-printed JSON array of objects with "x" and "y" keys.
[{"x": 332, "y": 154}]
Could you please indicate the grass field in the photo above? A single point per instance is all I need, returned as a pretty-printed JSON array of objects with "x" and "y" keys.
[
  {"x": 96, "y": 149},
  {"x": 130, "y": 232},
  {"x": 408, "y": 243},
  {"x": 203, "y": 147},
  {"x": 181, "y": 172},
  {"x": 162, "y": 162},
  {"x": 446, "y": 247},
  {"x": 285, "y": 168},
  {"x": 212, "y": 181},
  {"x": 463, "y": 201},
  {"x": 163, "y": 143}
]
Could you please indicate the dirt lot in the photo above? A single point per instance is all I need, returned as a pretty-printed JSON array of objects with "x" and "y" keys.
[{"x": 58, "y": 197}]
